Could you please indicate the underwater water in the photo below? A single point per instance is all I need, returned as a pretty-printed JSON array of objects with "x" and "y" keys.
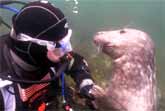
[{"x": 86, "y": 17}]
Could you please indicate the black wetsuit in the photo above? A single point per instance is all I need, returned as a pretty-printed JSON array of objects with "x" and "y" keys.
[{"x": 36, "y": 93}]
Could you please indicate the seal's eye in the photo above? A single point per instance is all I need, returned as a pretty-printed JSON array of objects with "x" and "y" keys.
[{"x": 122, "y": 31}]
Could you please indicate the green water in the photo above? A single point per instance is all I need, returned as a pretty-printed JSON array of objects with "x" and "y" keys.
[{"x": 97, "y": 15}]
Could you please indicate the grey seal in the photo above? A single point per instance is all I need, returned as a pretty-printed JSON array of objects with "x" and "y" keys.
[{"x": 133, "y": 82}]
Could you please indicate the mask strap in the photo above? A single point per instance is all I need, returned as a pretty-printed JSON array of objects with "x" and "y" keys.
[
  {"x": 25, "y": 38},
  {"x": 65, "y": 42}
]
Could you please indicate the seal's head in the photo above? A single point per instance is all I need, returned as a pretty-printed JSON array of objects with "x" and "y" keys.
[{"x": 116, "y": 43}]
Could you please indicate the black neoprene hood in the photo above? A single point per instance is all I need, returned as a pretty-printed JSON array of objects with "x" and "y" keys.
[{"x": 41, "y": 20}]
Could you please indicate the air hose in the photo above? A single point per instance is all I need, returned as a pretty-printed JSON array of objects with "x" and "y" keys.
[
  {"x": 3, "y": 5},
  {"x": 7, "y": 2}
]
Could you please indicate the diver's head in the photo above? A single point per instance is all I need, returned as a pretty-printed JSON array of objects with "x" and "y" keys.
[{"x": 39, "y": 27}]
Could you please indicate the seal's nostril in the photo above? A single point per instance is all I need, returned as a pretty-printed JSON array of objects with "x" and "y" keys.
[{"x": 95, "y": 41}]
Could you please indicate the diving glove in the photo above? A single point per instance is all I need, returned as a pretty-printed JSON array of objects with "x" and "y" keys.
[
  {"x": 85, "y": 88},
  {"x": 90, "y": 90}
]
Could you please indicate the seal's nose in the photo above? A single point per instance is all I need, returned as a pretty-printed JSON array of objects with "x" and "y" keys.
[
  {"x": 97, "y": 37},
  {"x": 122, "y": 31}
]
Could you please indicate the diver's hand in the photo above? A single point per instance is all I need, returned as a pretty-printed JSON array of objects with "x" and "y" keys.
[
  {"x": 4, "y": 83},
  {"x": 91, "y": 90},
  {"x": 86, "y": 92},
  {"x": 66, "y": 57}
]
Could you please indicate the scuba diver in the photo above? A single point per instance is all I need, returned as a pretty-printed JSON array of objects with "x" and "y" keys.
[{"x": 34, "y": 57}]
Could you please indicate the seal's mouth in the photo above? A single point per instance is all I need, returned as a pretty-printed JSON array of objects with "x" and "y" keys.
[{"x": 100, "y": 43}]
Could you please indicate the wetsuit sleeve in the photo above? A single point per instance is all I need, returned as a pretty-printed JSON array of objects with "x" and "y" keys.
[{"x": 79, "y": 69}]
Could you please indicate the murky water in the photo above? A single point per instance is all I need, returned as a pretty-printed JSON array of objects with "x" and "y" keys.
[{"x": 86, "y": 17}]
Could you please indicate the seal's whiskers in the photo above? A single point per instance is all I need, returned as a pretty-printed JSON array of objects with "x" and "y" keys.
[{"x": 99, "y": 48}]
